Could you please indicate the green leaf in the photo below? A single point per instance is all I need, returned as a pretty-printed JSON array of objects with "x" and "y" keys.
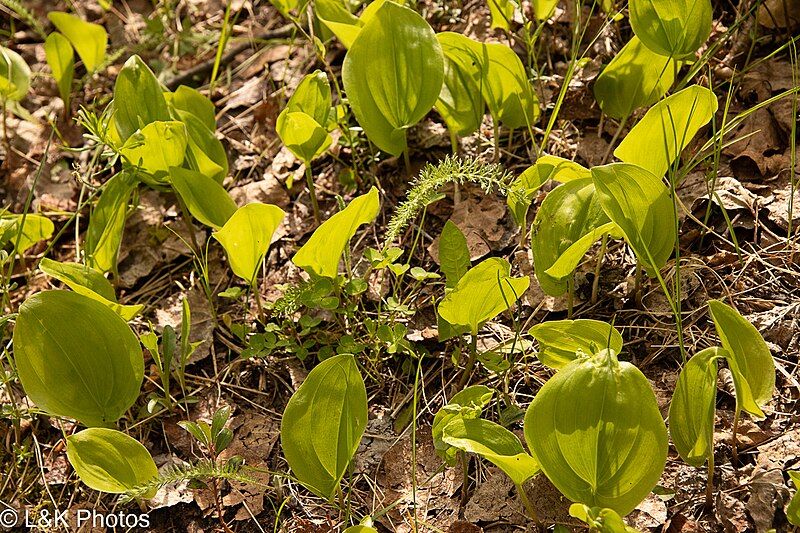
[
  {"x": 155, "y": 148},
  {"x": 59, "y": 55},
  {"x": 453, "y": 254},
  {"x": 312, "y": 97},
  {"x": 793, "y": 509},
  {"x": 543, "y": 9},
  {"x": 485, "y": 291},
  {"x": 246, "y": 236},
  {"x": 107, "y": 222},
  {"x": 207, "y": 200},
  {"x": 77, "y": 358},
  {"x": 749, "y": 358},
  {"x": 110, "y": 461},
  {"x": 302, "y": 135},
  {"x": 321, "y": 253},
  {"x": 88, "y": 39},
  {"x": 460, "y": 103},
  {"x": 502, "y": 12},
  {"x": 494, "y": 443},
  {"x": 597, "y": 433},
  {"x": 640, "y": 205},
  {"x": 568, "y": 261},
  {"x": 191, "y": 101},
  {"x": 526, "y": 185},
  {"x": 636, "y": 77},
  {"x": 569, "y": 212},
  {"x": 205, "y": 152},
  {"x": 665, "y": 130},
  {"x": 89, "y": 282},
  {"x": 138, "y": 98},
  {"x": 561, "y": 341},
  {"x": 334, "y": 15},
  {"x": 15, "y": 75},
  {"x": 600, "y": 519},
  {"x": 393, "y": 74},
  {"x": 691, "y": 411},
  {"x": 466, "y": 403},
  {"x": 675, "y": 28},
  {"x": 323, "y": 424},
  {"x": 34, "y": 228}
]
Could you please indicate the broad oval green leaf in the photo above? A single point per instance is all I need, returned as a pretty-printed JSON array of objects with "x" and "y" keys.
[
  {"x": 89, "y": 282},
  {"x": 15, "y": 75},
  {"x": 22, "y": 232},
  {"x": 494, "y": 443},
  {"x": 466, "y": 403},
  {"x": 501, "y": 12},
  {"x": 793, "y": 509},
  {"x": 749, "y": 358},
  {"x": 312, "y": 97},
  {"x": 155, "y": 148},
  {"x": 527, "y": 184},
  {"x": 485, "y": 291},
  {"x": 569, "y": 212},
  {"x": 246, "y": 236},
  {"x": 636, "y": 77},
  {"x": 302, "y": 135},
  {"x": 460, "y": 103},
  {"x": 393, "y": 74},
  {"x": 207, "y": 200},
  {"x": 191, "y": 101},
  {"x": 667, "y": 127},
  {"x": 89, "y": 40},
  {"x": 675, "y": 28},
  {"x": 110, "y": 461},
  {"x": 640, "y": 205},
  {"x": 107, "y": 222},
  {"x": 561, "y": 341},
  {"x": 453, "y": 254},
  {"x": 597, "y": 433},
  {"x": 543, "y": 9},
  {"x": 691, "y": 411},
  {"x": 323, "y": 424},
  {"x": 339, "y": 20},
  {"x": 77, "y": 358},
  {"x": 60, "y": 58},
  {"x": 568, "y": 261},
  {"x": 320, "y": 255},
  {"x": 601, "y": 520},
  {"x": 205, "y": 152},
  {"x": 138, "y": 98}
]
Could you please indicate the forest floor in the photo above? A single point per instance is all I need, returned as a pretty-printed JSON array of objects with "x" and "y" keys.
[{"x": 757, "y": 268}]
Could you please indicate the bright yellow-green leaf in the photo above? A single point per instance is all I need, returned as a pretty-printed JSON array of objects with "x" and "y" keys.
[
  {"x": 569, "y": 212},
  {"x": 793, "y": 509},
  {"x": 323, "y": 424},
  {"x": 110, "y": 461},
  {"x": 543, "y": 9},
  {"x": 525, "y": 187},
  {"x": 336, "y": 17},
  {"x": 569, "y": 260},
  {"x": 599, "y": 519},
  {"x": 460, "y": 103},
  {"x": 89, "y": 282},
  {"x": 205, "y": 152},
  {"x": 302, "y": 135},
  {"x": 155, "y": 148},
  {"x": 597, "y": 433},
  {"x": 312, "y": 97},
  {"x": 393, "y": 74},
  {"x": 502, "y": 13},
  {"x": 636, "y": 77},
  {"x": 691, "y": 412},
  {"x": 88, "y": 39},
  {"x": 667, "y": 127},
  {"x": 15, "y": 75},
  {"x": 60, "y": 58},
  {"x": 246, "y": 236},
  {"x": 675, "y": 28},
  {"x": 494, "y": 443},
  {"x": 107, "y": 222},
  {"x": 76, "y": 357},
  {"x": 466, "y": 403},
  {"x": 360, "y": 529},
  {"x": 485, "y": 291},
  {"x": 191, "y": 101},
  {"x": 206, "y": 199},
  {"x": 320, "y": 255},
  {"x": 138, "y": 98},
  {"x": 453, "y": 254},
  {"x": 561, "y": 341},
  {"x": 640, "y": 205},
  {"x": 749, "y": 358},
  {"x": 34, "y": 228}
]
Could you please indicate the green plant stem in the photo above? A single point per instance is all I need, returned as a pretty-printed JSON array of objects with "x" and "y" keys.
[
  {"x": 473, "y": 355},
  {"x": 6, "y": 138},
  {"x": 596, "y": 280},
  {"x": 637, "y": 284},
  {"x": 464, "y": 483},
  {"x": 735, "y": 444},
  {"x": 710, "y": 481},
  {"x": 312, "y": 192},
  {"x": 407, "y": 161},
  {"x": 526, "y": 502},
  {"x": 496, "y": 138},
  {"x": 570, "y": 296},
  {"x": 614, "y": 140}
]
